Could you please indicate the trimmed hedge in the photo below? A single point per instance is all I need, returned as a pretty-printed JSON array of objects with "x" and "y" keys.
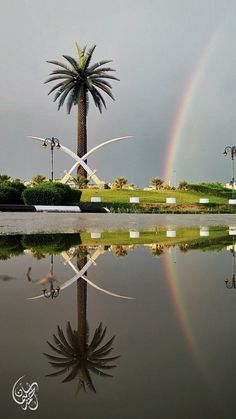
[
  {"x": 50, "y": 193},
  {"x": 43, "y": 196},
  {"x": 210, "y": 188},
  {"x": 9, "y": 195},
  {"x": 14, "y": 184}
]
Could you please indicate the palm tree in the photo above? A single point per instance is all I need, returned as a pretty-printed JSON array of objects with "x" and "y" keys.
[
  {"x": 77, "y": 78},
  {"x": 119, "y": 183},
  {"x": 38, "y": 179},
  {"x": 78, "y": 358},
  {"x": 80, "y": 182},
  {"x": 77, "y": 355},
  {"x": 156, "y": 183}
]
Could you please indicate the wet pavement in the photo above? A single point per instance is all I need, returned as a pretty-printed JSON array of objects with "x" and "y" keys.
[{"x": 28, "y": 223}]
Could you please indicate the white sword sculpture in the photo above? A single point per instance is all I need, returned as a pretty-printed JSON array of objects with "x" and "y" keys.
[
  {"x": 80, "y": 275},
  {"x": 80, "y": 160}
]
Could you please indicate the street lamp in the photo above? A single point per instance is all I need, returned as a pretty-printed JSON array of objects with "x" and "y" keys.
[
  {"x": 232, "y": 151},
  {"x": 232, "y": 283},
  {"x": 52, "y": 142},
  {"x": 52, "y": 293}
]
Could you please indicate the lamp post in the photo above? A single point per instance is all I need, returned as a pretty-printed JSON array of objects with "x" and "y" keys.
[
  {"x": 52, "y": 293},
  {"x": 232, "y": 283},
  {"x": 232, "y": 151},
  {"x": 52, "y": 142}
]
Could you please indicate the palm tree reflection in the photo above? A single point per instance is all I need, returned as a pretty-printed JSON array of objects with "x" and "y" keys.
[{"x": 77, "y": 356}]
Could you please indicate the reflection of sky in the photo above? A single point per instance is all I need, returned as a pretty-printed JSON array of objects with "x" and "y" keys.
[{"x": 156, "y": 365}]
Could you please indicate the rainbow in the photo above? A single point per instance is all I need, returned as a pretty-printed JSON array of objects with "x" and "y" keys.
[
  {"x": 185, "y": 104},
  {"x": 178, "y": 303}
]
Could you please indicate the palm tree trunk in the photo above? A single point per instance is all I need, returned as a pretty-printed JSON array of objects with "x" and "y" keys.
[
  {"x": 82, "y": 132},
  {"x": 82, "y": 305}
]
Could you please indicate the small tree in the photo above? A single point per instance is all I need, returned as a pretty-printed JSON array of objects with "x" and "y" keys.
[
  {"x": 119, "y": 183},
  {"x": 37, "y": 179},
  {"x": 183, "y": 185},
  {"x": 156, "y": 183},
  {"x": 80, "y": 182},
  {"x": 5, "y": 178}
]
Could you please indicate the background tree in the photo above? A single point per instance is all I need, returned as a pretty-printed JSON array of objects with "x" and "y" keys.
[
  {"x": 119, "y": 183},
  {"x": 77, "y": 79},
  {"x": 156, "y": 183},
  {"x": 183, "y": 185},
  {"x": 80, "y": 182},
  {"x": 37, "y": 179}
]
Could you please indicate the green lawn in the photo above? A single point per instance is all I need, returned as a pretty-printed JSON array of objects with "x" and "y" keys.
[{"x": 122, "y": 196}]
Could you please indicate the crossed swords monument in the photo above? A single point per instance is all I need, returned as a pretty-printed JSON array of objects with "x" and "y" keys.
[{"x": 79, "y": 161}]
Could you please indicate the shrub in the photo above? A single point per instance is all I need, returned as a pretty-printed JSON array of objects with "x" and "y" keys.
[
  {"x": 14, "y": 184},
  {"x": 75, "y": 196},
  {"x": 9, "y": 195},
  {"x": 66, "y": 189},
  {"x": 42, "y": 195}
]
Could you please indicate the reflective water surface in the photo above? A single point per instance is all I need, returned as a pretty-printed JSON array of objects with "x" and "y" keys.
[{"x": 121, "y": 324}]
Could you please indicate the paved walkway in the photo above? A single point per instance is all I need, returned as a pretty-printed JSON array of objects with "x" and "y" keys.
[{"x": 28, "y": 223}]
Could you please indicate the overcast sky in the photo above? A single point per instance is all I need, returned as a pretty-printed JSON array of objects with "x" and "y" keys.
[{"x": 156, "y": 46}]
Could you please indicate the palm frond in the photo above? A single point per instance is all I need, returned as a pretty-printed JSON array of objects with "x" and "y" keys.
[
  {"x": 54, "y": 358},
  {"x": 59, "y": 351},
  {"x": 64, "y": 95},
  {"x": 89, "y": 56},
  {"x": 66, "y": 364},
  {"x": 59, "y": 64},
  {"x": 63, "y": 339},
  {"x": 71, "y": 334},
  {"x": 104, "y": 347},
  {"x": 96, "y": 342},
  {"x": 104, "y": 88},
  {"x": 54, "y": 374},
  {"x": 69, "y": 73},
  {"x": 103, "y": 76},
  {"x": 72, "y": 61},
  {"x": 103, "y": 353},
  {"x": 98, "y": 372},
  {"x": 55, "y": 78},
  {"x": 113, "y": 358},
  {"x": 70, "y": 101},
  {"x": 96, "y": 99},
  {"x": 88, "y": 379},
  {"x": 96, "y": 65},
  {"x": 72, "y": 374}
]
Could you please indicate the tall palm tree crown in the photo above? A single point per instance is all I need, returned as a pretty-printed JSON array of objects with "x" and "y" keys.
[
  {"x": 78, "y": 358},
  {"x": 77, "y": 78}
]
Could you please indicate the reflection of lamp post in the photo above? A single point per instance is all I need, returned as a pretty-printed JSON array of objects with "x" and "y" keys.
[
  {"x": 53, "y": 293},
  {"x": 232, "y": 283},
  {"x": 232, "y": 151},
  {"x": 52, "y": 142}
]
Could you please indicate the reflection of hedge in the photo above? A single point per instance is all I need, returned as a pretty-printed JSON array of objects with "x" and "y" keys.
[
  {"x": 51, "y": 243},
  {"x": 49, "y": 193},
  {"x": 10, "y": 246}
]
